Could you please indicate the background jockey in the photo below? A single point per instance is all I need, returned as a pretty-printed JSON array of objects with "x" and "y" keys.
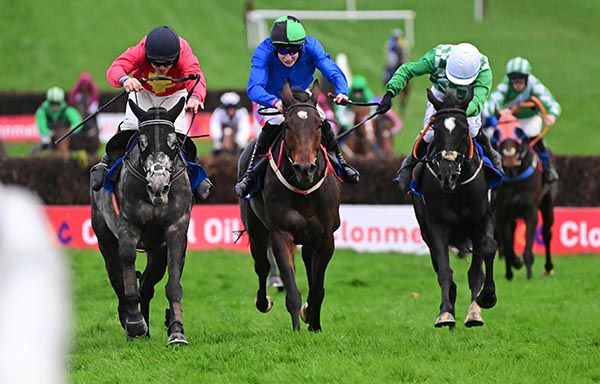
[
  {"x": 229, "y": 114},
  {"x": 359, "y": 91},
  {"x": 54, "y": 114},
  {"x": 397, "y": 50},
  {"x": 516, "y": 87},
  {"x": 162, "y": 53},
  {"x": 289, "y": 55},
  {"x": 461, "y": 67}
]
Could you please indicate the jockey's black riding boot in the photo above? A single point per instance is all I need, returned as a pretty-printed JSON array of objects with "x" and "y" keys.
[
  {"x": 488, "y": 150},
  {"x": 245, "y": 184},
  {"x": 404, "y": 174},
  {"x": 98, "y": 172},
  {"x": 349, "y": 173},
  {"x": 549, "y": 173}
]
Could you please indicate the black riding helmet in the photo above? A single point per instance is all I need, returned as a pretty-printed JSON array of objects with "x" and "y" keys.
[{"x": 162, "y": 45}]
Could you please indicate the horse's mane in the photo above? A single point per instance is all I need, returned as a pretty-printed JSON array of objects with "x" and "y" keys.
[
  {"x": 451, "y": 99},
  {"x": 301, "y": 95}
]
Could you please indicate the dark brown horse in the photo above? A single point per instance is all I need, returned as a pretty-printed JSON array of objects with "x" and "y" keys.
[
  {"x": 520, "y": 196},
  {"x": 299, "y": 204}
]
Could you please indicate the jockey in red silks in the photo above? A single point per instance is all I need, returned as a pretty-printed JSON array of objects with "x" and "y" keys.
[{"x": 161, "y": 54}]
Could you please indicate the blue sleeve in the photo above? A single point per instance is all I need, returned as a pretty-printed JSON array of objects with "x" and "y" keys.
[
  {"x": 259, "y": 75},
  {"x": 328, "y": 68}
]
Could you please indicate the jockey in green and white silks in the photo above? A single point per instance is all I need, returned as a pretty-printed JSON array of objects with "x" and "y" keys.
[
  {"x": 518, "y": 86},
  {"x": 461, "y": 67}
]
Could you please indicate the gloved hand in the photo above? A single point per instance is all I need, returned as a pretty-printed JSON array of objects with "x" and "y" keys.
[
  {"x": 45, "y": 139},
  {"x": 549, "y": 119},
  {"x": 386, "y": 103}
]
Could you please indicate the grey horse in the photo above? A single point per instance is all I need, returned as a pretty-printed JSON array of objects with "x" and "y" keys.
[{"x": 150, "y": 210}]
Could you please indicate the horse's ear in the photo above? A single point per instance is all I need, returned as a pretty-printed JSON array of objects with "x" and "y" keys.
[
  {"x": 437, "y": 104},
  {"x": 315, "y": 90},
  {"x": 286, "y": 94},
  {"x": 137, "y": 111},
  {"x": 464, "y": 103},
  {"x": 176, "y": 110}
]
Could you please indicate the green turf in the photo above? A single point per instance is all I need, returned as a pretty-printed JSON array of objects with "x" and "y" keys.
[
  {"x": 51, "y": 42},
  {"x": 377, "y": 323}
]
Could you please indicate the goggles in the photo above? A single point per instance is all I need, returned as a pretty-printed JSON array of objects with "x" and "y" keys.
[{"x": 287, "y": 49}]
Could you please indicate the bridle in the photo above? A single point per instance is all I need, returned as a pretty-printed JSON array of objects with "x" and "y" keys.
[
  {"x": 155, "y": 169},
  {"x": 454, "y": 156}
]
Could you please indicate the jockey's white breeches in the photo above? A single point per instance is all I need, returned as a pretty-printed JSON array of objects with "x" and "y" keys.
[
  {"x": 146, "y": 100},
  {"x": 531, "y": 126}
]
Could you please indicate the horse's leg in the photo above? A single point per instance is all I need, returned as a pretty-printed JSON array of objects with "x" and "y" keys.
[
  {"x": 547, "y": 211},
  {"x": 283, "y": 249},
  {"x": 506, "y": 246},
  {"x": 316, "y": 291},
  {"x": 259, "y": 244},
  {"x": 438, "y": 247},
  {"x": 485, "y": 245},
  {"x": 475, "y": 273},
  {"x": 176, "y": 239},
  {"x": 129, "y": 236},
  {"x": 109, "y": 247},
  {"x": 156, "y": 267},
  {"x": 531, "y": 222}
]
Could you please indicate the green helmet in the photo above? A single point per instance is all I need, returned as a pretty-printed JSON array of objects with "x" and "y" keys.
[
  {"x": 287, "y": 30},
  {"x": 518, "y": 65},
  {"x": 359, "y": 83},
  {"x": 55, "y": 95}
]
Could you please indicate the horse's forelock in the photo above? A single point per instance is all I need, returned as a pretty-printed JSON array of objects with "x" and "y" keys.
[{"x": 301, "y": 95}]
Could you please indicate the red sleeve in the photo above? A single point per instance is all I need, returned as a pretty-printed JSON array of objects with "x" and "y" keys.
[
  {"x": 133, "y": 58},
  {"x": 188, "y": 62}
]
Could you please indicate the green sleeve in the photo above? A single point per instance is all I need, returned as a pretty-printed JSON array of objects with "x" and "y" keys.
[
  {"x": 73, "y": 116},
  {"x": 497, "y": 98},
  {"x": 407, "y": 71},
  {"x": 42, "y": 122},
  {"x": 481, "y": 92},
  {"x": 548, "y": 100}
]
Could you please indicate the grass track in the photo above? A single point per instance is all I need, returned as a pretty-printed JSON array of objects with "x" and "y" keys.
[{"x": 377, "y": 326}]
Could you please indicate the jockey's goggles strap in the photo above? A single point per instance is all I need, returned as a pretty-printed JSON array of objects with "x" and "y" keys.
[{"x": 157, "y": 121}]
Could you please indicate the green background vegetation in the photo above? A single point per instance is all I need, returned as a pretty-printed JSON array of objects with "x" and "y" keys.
[
  {"x": 50, "y": 42},
  {"x": 377, "y": 321}
]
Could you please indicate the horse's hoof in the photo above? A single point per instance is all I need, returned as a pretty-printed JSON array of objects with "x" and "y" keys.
[
  {"x": 304, "y": 313},
  {"x": 517, "y": 263},
  {"x": 177, "y": 338},
  {"x": 276, "y": 282},
  {"x": 264, "y": 306},
  {"x": 474, "y": 318},
  {"x": 549, "y": 273},
  {"x": 486, "y": 301},
  {"x": 136, "y": 328},
  {"x": 445, "y": 319}
]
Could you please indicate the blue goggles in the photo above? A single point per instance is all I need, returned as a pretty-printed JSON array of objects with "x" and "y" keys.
[{"x": 287, "y": 49}]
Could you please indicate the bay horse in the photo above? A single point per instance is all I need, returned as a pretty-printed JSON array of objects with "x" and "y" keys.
[
  {"x": 149, "y": 210},
  {"x": 454, "y": 208},
  {"x": 520, "y": 196},
  {"x": 298, "y": 204}
]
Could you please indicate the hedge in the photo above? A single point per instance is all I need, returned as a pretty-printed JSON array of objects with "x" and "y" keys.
[{"x": 65, "y": 181}]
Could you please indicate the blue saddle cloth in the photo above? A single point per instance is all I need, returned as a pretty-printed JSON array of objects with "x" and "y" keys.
[
  {"x": 196, "y": 172},
  {"x": 493, "y": 175}
]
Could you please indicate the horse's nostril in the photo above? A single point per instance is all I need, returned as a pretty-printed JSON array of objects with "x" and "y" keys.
[
  {"x": 297, "y": 167},
  {"x": 312, "y": 168}
]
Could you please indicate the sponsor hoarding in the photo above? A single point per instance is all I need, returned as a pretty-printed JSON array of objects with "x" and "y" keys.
[{"x": 369, "y": 228}]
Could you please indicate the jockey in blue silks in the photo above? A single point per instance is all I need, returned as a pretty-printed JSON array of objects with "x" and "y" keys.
[{"x": 289, "y": 55}]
